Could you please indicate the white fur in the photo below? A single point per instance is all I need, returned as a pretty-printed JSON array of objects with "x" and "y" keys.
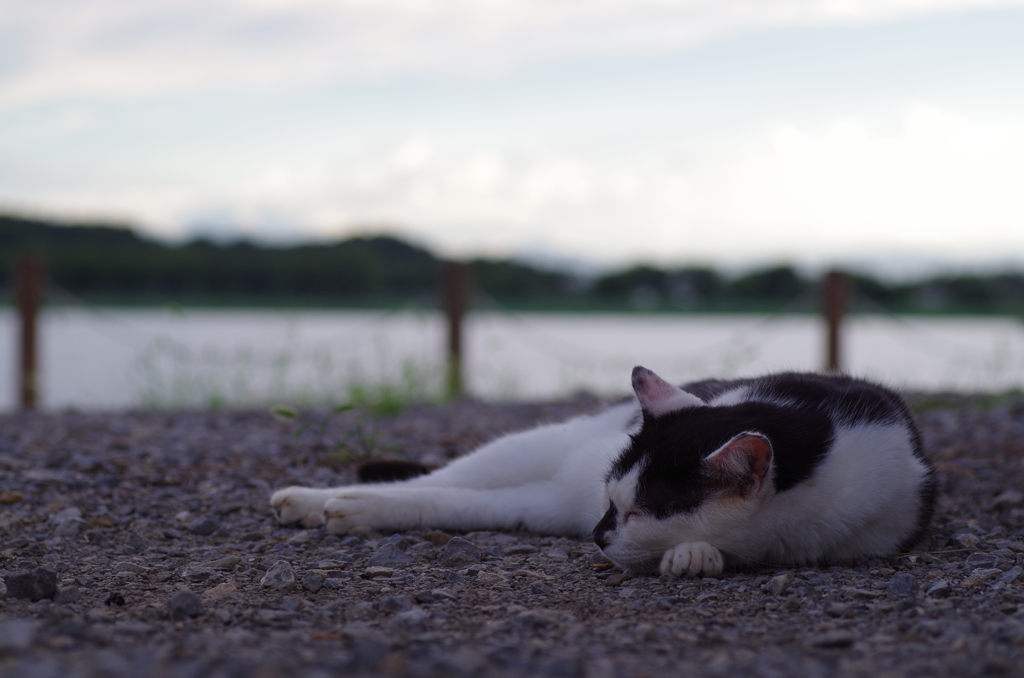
[{"x": 549, "y": 479}]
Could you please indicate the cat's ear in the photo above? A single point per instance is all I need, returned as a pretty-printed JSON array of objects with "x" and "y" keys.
[
  {"x": 657, "y": 396},
  {"x": 742, "y": 463}
]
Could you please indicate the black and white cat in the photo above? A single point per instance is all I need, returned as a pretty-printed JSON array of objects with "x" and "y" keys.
[{"x": 787, "y": 469}]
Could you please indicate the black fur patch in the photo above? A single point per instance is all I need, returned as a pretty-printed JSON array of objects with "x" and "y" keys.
[
  {"x": 389, "y": 470},
  {"x": 795, "y": 412},
  {"x": 607, "y": 524}
]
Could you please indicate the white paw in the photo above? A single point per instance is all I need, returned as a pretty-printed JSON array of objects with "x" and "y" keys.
[
  {"x": 692, "y": 559},
  {"x": 357, "y": 512},
  {"x": 303, "y": 505}
]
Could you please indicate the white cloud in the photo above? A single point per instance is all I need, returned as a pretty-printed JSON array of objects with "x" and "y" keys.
[
  {"x": 59, "y": 49},
  {"x": 923, "y": 178},
  {"x": 920, "y": 178}
]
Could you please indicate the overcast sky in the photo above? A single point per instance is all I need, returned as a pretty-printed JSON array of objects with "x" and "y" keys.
[{"x": 608, "y": 130}]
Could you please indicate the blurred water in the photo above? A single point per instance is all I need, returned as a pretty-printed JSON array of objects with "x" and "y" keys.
[{"x": 119, "y": 359}]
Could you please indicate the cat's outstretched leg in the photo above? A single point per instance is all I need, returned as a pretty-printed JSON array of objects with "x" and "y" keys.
[
  {"x": 691, "y": 559},
  {"x": 541, "y": 507}
]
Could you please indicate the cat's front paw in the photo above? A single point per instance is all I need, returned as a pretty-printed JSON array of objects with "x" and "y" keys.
[
  {"x": 357, "y": 512},
  {"x": 692, "y": 559},
  {"x": 303, "y": 505}
]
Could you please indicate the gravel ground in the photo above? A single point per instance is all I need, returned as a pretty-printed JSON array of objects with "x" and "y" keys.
[{"x": 141, "y": 544}]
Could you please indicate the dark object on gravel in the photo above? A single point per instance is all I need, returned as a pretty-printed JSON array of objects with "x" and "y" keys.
[
  {"x": 204, "y": 526},
  {"x": 903, "y": 584},
  {"x": 184, "y": 604},
  {"x": 459, "y": 551},
  {"x": 35, "y": 585},
  {"x": 389, "y": 470}
]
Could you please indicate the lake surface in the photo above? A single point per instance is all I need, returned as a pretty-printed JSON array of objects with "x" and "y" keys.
[{"x": 99, "y": 359}]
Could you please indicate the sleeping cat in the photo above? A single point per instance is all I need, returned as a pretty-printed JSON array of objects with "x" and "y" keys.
[{"x": 786, "y": 469}]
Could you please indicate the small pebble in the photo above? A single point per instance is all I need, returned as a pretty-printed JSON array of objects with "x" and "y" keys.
[
  {"x": 279, "y": 576},
  {"x": 454, "y": 577},
  {"x": 779, "y": 584},
  {"x": 204, "y": 526},
  {"x": 389, "y": 555},
  {"x": 377, "y": 572},
  {"x": 459, "y": 551},
  {"x": 38, "y": 584},
  {"x": 902, "y": 584},
  {"x": 540, "y": 588},
  {"x": 312, "y": 582},
  {"x": 833, "y": 639},
  {"x": 394, "y": 604},
  {"x": 67, "y": 594},
  {"x": 184, "y": 604}
]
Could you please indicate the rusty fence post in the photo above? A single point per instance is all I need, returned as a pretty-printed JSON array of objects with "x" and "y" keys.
[
  {"x": 28, "y": 294},
  {"x": 454, "y": 300},
  {"x": 834, "y": 301}
]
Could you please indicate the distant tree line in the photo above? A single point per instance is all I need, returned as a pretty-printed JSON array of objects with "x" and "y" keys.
[{"x": 114, "y": 264}]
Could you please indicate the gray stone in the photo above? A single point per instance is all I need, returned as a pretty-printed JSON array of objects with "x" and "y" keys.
[
  {"x": 69, "y": 527},
  {"x": 389, "y": 555},
  {"x": 184, "y": 604},
  {"x": 378, "y": 572},
  {"x": 967, "y": 540},
  {"x": 125, "y": 566},
  {"x": 779, "y": 584},
  {"x": 35, "y": 585},
  {"x": 137, "y": 541},
  {"x": 198, "y": 574},
  {"x": 939, "y": 589},
  {"x": 336, "y": 584},
  {"x": 459, "y": 550},
  {"x": 1004, "y": 559},
  {"x": 527, "y": 549},
  {"x": 227, "y": 563},
  {"x": 279, "y": 576},
  {"x": 1008, "y": 498},
  {"x": 980, "y": 560},
  {"x": 833, "y": 639},
  {"x": 985, "y": 573},
  {"x": 17, "y": 635},
  {"x": 454, "y": 577},
  {"x": 67, "y": 594},
  {"x": 1011, "y": 575},
  {"x": 540, "y": 588},
  {"x": 396, "y": 540},
  {"x": 415, "y": 617},
  {"x": 204, "y": 526},
  {"x": 902, "y": 584},
  {"x": 394, "y": 604},
  {"x": 444, "y": 594},
  {"x": 312, "y": 582}
]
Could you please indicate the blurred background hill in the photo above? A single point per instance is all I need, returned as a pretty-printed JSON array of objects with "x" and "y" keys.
[{"x": 114, "y": 264}]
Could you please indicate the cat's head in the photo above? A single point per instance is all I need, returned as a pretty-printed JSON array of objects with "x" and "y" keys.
[{"x": 689, "y": 474}]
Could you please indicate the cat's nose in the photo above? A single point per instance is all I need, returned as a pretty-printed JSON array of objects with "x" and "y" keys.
[{"x": 602, "y": 538}]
